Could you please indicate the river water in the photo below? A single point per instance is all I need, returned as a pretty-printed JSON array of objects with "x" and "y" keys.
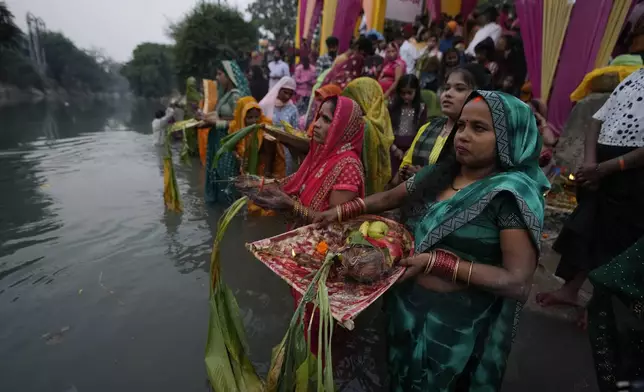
[{"x": 100, "y": 288}]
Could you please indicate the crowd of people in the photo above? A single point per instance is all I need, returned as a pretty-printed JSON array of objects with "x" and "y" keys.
[{"x": 435, "y": 120}]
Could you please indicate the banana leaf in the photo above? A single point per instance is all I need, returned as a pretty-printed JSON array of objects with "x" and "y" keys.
[
  {"x": 170, "y": 188},
  {"x": 185, "y": 124},
  {"x": 229, "y": 142},
  {"x": 227, "y": 363}
]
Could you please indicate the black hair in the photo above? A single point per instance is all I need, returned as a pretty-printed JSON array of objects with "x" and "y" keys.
[
  {"x": 475, "y": 76},
  {"x": 365, "y": 45},
  {"x": 332, "y": 42},
  {"x": 279, "y": 50},
  {"x": 395, "y": 107},
  {"x": 487, "y": 48},
  {"x": 159, "y": 114},
  {"x": 492, "y": 13},
  {"x": 334, "y": 103}
]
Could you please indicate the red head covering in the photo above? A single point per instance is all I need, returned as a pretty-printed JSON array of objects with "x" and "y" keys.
[{"x": 325, "y": 163}]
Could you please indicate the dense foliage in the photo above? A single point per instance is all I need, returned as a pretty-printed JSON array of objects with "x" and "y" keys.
[
  {"x": 10, "y": 34},
  {"x": 208, "y": 34},
  {"x": 151, "y": 72},
  {"x": 276, "y": 16}
]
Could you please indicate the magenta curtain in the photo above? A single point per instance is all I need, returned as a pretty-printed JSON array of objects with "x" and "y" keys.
[
  {"x": 530, "y": 14},
  {"x": 467, "y": 6},
  {"x": 302, "y": 16},
  {"x": 315, "y": 19},
  {"x": 434, "y": 7},
  {"x": 578, "y": 53},
  {"x": 346, "y": 16}
]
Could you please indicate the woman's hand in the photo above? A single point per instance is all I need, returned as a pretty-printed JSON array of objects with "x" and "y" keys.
[
  {"x": 416, "y": 266},
  {"x": 328, "y": 216},
  {"x": 211, "y": 118},
  {"x": 408, "y": 171},
  {"x": 589, "y": 174},
  {"x": 272, "y": 197}
]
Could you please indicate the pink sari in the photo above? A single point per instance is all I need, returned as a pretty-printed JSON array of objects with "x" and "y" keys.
[{"x": 388, "y": 74}]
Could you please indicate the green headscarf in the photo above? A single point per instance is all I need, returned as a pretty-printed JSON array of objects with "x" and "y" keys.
[
  {"x": 378, "y": 133},
  {"x": 518, "y": 144},
  {"x": 235, "y": 74}
]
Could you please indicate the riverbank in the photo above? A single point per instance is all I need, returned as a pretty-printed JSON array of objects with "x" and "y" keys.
[{"x": 11, "y": 95}]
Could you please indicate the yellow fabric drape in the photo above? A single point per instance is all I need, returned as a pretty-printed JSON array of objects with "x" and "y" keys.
[
  {"x": 298, "y": 22},
  {"x": 556, "y": 15},
  {"x": 450, "y": 7},
  {"x": 613, "y": 28},
  {"x": 584, "y": 88},
  {"x": 375, "y": 12},
  {"x": 328, "y": 18},
  {"x": 378, "y": 133}
]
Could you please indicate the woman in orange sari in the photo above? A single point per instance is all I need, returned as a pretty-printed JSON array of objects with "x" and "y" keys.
[
  {"x": 321, "y": 94},
  {"x": 257, "y": 153}
]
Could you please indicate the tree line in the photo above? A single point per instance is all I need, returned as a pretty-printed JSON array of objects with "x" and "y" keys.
[
  {"x": 68, "y": 67},
  {"x": 209, "y": 33}
]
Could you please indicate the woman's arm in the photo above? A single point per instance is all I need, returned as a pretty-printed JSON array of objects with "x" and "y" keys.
[
  {"x": 590, "y": 144},
  {"x": 340, "y": 197},
  {"x": 632, "y": 160},
  {"x": 399, "y": 74},
  {"x": 513, "y": 279}
]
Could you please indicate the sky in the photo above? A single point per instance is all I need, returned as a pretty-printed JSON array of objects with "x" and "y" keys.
[{"x": 115, "y": 26}]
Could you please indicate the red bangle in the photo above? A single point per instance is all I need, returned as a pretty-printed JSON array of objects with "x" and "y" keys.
[
  {"x": 622, "y": 164},
  {"x": 445, "y": 264}
]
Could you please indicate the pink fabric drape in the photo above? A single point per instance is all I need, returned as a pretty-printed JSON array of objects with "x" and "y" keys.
[
  {"x": 434, "y": 7},
  {"x": 467, "y": 6},
  {"x": 315, "y": 19},
  {"x": 583, "y": 38},
  {"x": 302, "y": 17},
  {"x": 530, "y": 14},
  {"x": 346, "y": 15}
]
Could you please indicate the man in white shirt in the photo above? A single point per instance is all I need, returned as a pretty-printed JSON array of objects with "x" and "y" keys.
[
  {"x": 408, "y": 51},
  {"x": 277, "y": 69},
  {"x": 489, "y": 28},
  {"x": 160, "y": 124}
]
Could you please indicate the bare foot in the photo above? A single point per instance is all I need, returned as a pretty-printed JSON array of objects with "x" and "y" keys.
[{"x": 558, "y": 297}]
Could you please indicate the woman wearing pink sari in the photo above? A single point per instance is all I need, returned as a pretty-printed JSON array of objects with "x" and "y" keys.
[{"x": 393, "y": 69}]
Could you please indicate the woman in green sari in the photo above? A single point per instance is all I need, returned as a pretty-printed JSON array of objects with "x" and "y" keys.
[
  {"x": 477, "y": 216},
  {"x": 232, "y": 85},
  {"x": 616, "y": 318}
]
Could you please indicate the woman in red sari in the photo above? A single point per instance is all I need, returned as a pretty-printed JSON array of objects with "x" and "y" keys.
[
  {"x": 344, "y": 72},
  {"x": 332, "y": 173}
]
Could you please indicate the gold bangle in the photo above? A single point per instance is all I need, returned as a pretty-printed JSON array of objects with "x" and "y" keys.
[
  {"x": 296, "y": 207},
  {"x": 469, "y": 274},
  {"x": 338, "y": 210},
  {"x": 455, "y": 270},
  {"x": 363, "y": 205},
  {"x": 429, "y": 263}
]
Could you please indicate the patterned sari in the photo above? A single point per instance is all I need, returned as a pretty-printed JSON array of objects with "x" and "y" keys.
[
  {"x": 616, "y": 318},
  {"x": 215, "y": 188},
  {"x": 461, "y": 340},
  {"x": 378, "y": 133}
]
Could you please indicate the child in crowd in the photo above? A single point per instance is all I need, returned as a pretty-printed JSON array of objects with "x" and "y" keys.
[{"x": 407, "y": 113}]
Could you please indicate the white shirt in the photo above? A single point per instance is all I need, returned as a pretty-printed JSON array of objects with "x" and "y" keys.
[
  {"x": 491, "y": 30},
  {"x": 622, "y": 115},
  {"x": 159, "y": 126},
  {"x": 277, "y": 70},
  {"x": 410, "y": 54}
]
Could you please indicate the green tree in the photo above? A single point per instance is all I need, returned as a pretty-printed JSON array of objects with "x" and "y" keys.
[
  {"x": 71, "y": 67},
  {"x": 151, "y": 70},
  {"x": 10, "y": 34},
  {"x": 15, "y": 66},
  {"x": 208, "y": 34},
  {"x": 276, "y": 16}
]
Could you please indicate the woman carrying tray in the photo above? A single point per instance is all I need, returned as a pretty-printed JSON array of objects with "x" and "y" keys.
[{"x": 477, "y": 216}]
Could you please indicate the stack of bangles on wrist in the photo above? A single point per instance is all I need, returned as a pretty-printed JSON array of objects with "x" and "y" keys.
[
  {"x": 300, "y": 210},
  {"x": 445, "y": 265},
  {"x": 351, "y": 209}
]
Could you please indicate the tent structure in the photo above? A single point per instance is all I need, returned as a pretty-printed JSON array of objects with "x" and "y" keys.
[{"x": 563, "y": 39}]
